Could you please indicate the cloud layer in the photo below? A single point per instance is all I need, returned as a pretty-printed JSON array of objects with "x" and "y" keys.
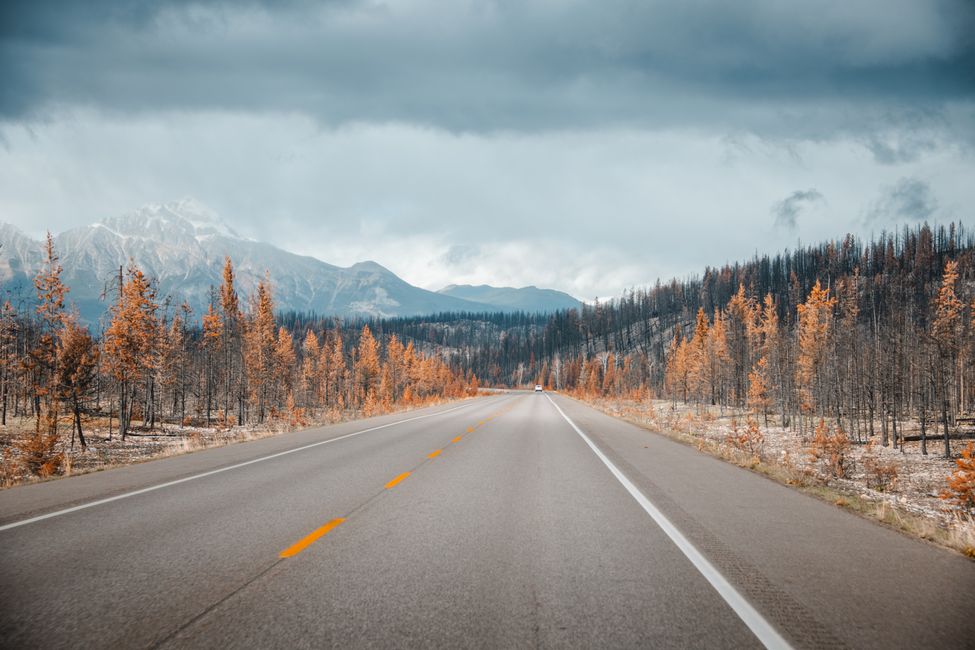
[{"x": 586, "y": 146}]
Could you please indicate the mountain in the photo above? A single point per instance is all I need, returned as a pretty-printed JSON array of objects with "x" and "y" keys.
[
  {"x": 528, "y": 299},
  {"x": 183, "y": 244}
]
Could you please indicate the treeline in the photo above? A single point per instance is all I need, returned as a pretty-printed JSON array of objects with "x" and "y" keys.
[
  {"x": 867, "y": 335},
  {"x": 149, "y": 363}
]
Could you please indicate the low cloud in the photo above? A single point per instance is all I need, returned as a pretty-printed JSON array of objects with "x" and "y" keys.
[
  {"x": 787, "y": 211},
  {"x": 909, "y": 199}
]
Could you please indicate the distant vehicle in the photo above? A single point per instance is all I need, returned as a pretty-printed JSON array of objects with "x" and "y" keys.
[{"x": 538, "y": 388}]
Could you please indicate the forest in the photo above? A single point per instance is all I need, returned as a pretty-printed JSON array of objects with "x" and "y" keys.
[
  {"x": 867, "y": 335},
  {"x": 150, "y": 364}
]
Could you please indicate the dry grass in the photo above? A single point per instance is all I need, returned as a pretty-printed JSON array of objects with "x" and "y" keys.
[{"x": 21, "y": 453}]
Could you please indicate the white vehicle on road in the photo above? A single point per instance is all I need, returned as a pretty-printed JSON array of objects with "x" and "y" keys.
[{"x": 538, "y": 388}]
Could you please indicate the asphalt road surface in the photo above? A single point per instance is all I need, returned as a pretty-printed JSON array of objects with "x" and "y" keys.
[{"x": 515, "y": 520}]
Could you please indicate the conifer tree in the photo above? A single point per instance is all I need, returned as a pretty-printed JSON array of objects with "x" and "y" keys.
[
  {"x": 697, "y": 358},
  {"x": 814, "y": 327},
  {"x": 211, "y": 342},
  {"x": 131, "y": 341},
  {"x": 8, "y": 356},
  {"x": 76, "y": 370},
  {"x": 43, "y": 357},
  {"x": 260, "y": 339},
  {"x": 232, "y": 335},
  {"x": 367, "y": 370},
  {"x": 310, "y": 378},
  {"x": 946, "y": 333}
]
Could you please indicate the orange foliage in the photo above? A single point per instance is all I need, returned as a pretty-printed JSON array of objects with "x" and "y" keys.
[
  {"x": 830, "y": 449},
  {"x": 961, "y": 483},
  {"x": 815, "y": 323}
]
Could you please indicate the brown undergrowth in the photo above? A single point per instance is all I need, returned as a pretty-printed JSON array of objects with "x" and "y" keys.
[{"x": 26, "y": 457}]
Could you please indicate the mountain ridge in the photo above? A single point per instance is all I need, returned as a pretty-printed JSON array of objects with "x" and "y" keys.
[
  {"x": 529, "y": 298},
  {"x": 183, "y": 244}
]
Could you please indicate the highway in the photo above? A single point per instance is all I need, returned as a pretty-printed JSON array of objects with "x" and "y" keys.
[{"x": 513, "y": 520}]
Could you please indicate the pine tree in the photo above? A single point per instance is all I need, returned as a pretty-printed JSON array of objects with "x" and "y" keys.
[
  {"x": 43, "y": 357},
  {"x": 232, "y": 335},
  {"x": 285, "y": 361},
  {"x": 814, "y": 326},
  {"x": 259, "y": 350},
  {"x": 718, "y": 358},
  {"x": 740, "y": 322},
  {"x": 367, "y": 369},
  {"x": 131, "y": 342},
  {"x": 211, "y": 342},
  {"x": 310, "y": 378},
  {"x": 9, "y": 360},
  {"x": 758, "y": 391},
  {"x": 76, "y": 370},
  {"x": 946, "y": 333},
  {"x": 698, "y": 368}
]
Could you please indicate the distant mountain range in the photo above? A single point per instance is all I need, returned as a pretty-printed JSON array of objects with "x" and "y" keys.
[
  {"x": 183, "y": 245},
  {"x": 529, "y": 299}
]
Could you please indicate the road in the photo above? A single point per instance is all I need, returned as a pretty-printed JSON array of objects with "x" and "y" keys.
[{"x": 515, "y": 520}]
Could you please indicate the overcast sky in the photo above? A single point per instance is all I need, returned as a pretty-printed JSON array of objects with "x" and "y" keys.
[{"x": 584, "y": 146}]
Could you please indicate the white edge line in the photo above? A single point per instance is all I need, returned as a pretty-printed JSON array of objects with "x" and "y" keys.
[
  {"x": 761, "y": 628},
  {"x": 152, "y": 488}
]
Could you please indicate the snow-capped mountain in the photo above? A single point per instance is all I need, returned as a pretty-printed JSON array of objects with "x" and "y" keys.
[{"x": 183, "y": 244}]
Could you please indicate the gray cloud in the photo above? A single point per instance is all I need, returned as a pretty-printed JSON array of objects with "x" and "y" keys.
[
  {"x": 459, "y": 254},
  {"x": 787, "y": 211},
  {"x": 568, "y": 144},
  {"x": 909, "y": 199},
  {"x": 801, "y": 71}
]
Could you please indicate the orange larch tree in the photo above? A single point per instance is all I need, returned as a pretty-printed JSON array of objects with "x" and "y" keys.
[
  {"x": 310, "y": 378},
  {"x": 130, "y": 342},
  {"x": 232, "y": 338},
  {"x": 211, "y": 342},
  {"x": 946, "y": 330},
  {"x": 740, "y": 322},
  {"x": 259, "y": 349},
  {"x": 367, "y": 368},
  {"x": 814, "y": 327},
  {"x": 76, "y": 371}
]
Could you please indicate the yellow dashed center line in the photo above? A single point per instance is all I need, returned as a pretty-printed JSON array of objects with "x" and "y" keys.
[
  {"x": 307, "y": 541},
  {"x": 397, "y": 480},
  {"x": 311, "y": 538}
]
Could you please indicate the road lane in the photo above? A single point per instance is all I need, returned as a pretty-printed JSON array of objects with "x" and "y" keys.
[
  {"x": 825, "y": 575},
  {"x": 172, "y": 553},
  {"x": 20, "y": 506}
]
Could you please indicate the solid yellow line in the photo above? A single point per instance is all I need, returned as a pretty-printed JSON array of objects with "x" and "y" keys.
[
  {"x": 457, "y": 439},
  {"x": 304, "y": 543},
  {"x": 396, "y": 480},
  {"x": 434, "y": 454}
]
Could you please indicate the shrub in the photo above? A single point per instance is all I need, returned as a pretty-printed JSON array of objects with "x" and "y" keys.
[
  {"x": 39, "y": 454},
  {"x": 829, "y": 449},
  {"x": 881, "y": 475},
  {"x": 961, "y": 482}
]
